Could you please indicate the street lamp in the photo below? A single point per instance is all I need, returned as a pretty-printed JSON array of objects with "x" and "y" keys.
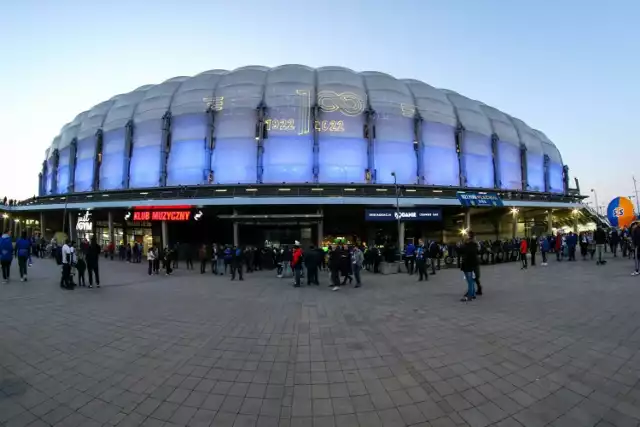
[
  {"x": 595, "y": 196},
  {"x": 395, "y": 184}
]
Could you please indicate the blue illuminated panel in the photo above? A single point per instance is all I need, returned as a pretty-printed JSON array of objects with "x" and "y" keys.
[
  {"x": 187, "y": 160},
  {"x": 342, "y": 156},
  {"x": 393, "y": 150},
  {"x": 477, "y": 160},
  {"x": 288, "y": 146},
  {"x": 144, "y": 170},
  {"x": 113, "y": 160},
  {"x": 510, "y": 172},
  {"x": 535, "y": 171},
  {"x": 439, "y": 157},
  {"x": 235, "y": 156},
  {"x": 556, "y": 181},
  {"x": 64, "y": 170},
  {"x": 85, "y": 157},
  {"x": 48, "y": 185}
]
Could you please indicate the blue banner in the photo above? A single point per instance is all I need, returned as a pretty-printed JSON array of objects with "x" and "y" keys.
[
  {"x": 405, "y": 215},
  {"x": 469, "y": 199}
]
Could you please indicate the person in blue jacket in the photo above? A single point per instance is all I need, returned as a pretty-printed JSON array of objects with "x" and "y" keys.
[
  {"x": 23, "y": 252},
  {"x": 545, "y": 247},
  {"x": 410, "y": 258},
  {"x": 6, "y": 255}
]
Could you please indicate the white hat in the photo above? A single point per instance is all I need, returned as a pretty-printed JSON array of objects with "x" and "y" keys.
[{"x": 296, "y": 243}]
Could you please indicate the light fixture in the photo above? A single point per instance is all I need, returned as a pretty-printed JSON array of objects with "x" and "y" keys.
[
  {"x": 575, "y": 211},
  {"x": 16, "y": 219},
  {"x": 317, "y": 189},
  {"x": 349, "y": 189},
  {"x": 105, "y": 195},
  {"x": 143, "y": 193},
  {"x": 89, "y": 196},
  {"x": 221, "y": 190},
  {"x": 411, "y": 190},
  {"x": 514, "y": 211},
  {"x": 381, "y": 189},
  {"x": 5, "y": 216},
  {"x": 464, "y": 231},
  {"x": 284, "y": 189},
  {"x": 437, "y": 191},
  {"x": 250, "y": 190}
]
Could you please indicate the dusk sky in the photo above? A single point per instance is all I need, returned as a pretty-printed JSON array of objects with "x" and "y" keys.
[{"x": 569, "y": 68}]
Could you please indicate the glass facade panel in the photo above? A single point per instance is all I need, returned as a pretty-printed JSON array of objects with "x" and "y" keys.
[
  {"x": 556, "y": 181},
  {"x": 64, "y": 170},
  {"x": 535, "y": 171},
  {"x": 510, "y": 172},
  {"x": 393, "y": 149},
  {"x": 234, "y": 161},
  {"x": 439, "y": 157},
  {"x": 85, "y": 157},
  {"x": 477, "y": 160},
  {"x": 113, "y": 160},
  {"x": 187, "y": 160},
  {"x": 144, "y": 169}
]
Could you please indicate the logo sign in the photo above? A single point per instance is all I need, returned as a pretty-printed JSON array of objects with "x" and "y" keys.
[
  {"x": 160, "y": 215},
  {"x": 84, "y": 222},
  {"x": 405, "y": 215},
  {"x": 479, "y": 199}
]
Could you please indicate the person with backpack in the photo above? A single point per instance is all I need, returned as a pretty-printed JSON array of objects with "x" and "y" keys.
[
  {"x": 6, "y": 255},
  {"x": 228, "y": 258},
  {"x": 296, "y": 263},
  {"x": 421, "y": 260},
  {"x": 22, "y": 251},
  {"x": 236, "y": 263}
]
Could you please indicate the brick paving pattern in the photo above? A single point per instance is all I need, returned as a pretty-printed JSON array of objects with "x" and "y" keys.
[{"x": 557, "y": 346}]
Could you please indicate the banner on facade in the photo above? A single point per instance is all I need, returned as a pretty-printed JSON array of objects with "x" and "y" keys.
[
  {"x": 470, "y": 199},
  {"x": 405, "y": 215}
]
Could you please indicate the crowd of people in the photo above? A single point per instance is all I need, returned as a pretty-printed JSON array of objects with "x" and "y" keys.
[{"x": 343, "y": 262}]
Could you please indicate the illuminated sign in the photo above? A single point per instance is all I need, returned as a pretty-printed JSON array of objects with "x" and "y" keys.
[
  {"x": 479, "y": 199},
  {"x": 289, "y": 125},
  {"x": 160, "y": 215},
  {"x": 84, "y": 222},
  {"x": 405, "y": 215}
]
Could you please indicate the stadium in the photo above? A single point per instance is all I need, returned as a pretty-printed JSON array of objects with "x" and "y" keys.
[{"x": 262, "y": 154}]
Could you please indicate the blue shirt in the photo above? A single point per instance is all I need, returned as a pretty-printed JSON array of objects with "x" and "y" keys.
[{"x": 410, "y": 249}]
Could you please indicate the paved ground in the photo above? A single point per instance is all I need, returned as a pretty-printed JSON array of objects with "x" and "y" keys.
[{"x": 555, "y": 346}]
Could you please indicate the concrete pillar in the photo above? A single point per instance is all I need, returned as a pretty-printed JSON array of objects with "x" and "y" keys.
[
  {"x": 42, "y": 224},
  {"x": 72, "y": 226},
  {"x": 467, "y": 219},
  {"x": 514, "y": 228},
  {"x": 4, "y": 224},
  {"x": 549, "y": 222},
  {"x": 236, "y": 232},
  {"x": 576, "y": 217},
  {"x": 111, "y": 235},
  {"x": 165, "y": 234},
  {"x": 320, "y": 228},
  {"x": 401, "y": 239},
  {"x": 16, "y": 231}
]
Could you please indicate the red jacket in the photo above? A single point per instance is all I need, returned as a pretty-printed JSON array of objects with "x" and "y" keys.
[
  {"x": 297, "y": 257},
  {"x": 523, "y": 246}
]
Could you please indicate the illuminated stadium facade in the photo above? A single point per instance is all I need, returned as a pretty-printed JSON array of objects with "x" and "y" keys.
[{"x": 296, "y": 136}]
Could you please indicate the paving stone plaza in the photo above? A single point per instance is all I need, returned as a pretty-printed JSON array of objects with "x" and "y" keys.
[{"x": 557, "y": 346}]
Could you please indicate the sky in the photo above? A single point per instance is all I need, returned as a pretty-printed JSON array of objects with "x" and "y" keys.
[{"x": 570, "y": 68}]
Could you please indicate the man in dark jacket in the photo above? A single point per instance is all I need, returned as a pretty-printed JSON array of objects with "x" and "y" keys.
[
  {"x": 312, "y": 262},
  {"x": 468, "y": 265},
  {"x": 635, "y": 241},
  {"x": 615, "y": 241},
  {"x": 236, "y": 263},
  {"x": 93, "y": 254},
  {"x": 601, "y": 238},
  {"x": 533, "y": 249}
]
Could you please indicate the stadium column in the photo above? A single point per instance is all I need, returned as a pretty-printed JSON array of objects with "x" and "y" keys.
[
  {"x": 165, "y": 234},
  {"x": 110, "y": 222},
  {"x": 72, "y": 226},
  {"x": 42, "y": 224},
  {"x": 467, "y": 219},
  {"x": 320, "y": 228},
  {"x": 236, "y": 237},
  {"x": 514, "y": 228},
  {"x": 549, "y": 222},
  {"x": 4, "y": 223},
  {"x": 401, "y": 237}
]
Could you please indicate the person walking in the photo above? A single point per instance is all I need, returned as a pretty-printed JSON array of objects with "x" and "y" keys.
[
  {"x": 558, "y": 246},
  {"x": 544, "y": 249},
  {"x": 334, "y": 267},
  {"x": 421, "y": 261},
  {"x": 81, "y": 267},
  {"x": 523, "y": 253},
  {"x": 236, "y": 263},
  {"x": 434, "y": 255},
  {"x": 410, "y": 258},
  {"x": 600, "y": 236},
  {"x": 358, "y": 260},
  {"x": 202, "y": 254},
  {"x": 296, "y": 263},
  {"x": 93, "y": 255},
  {"x": 533, "y": 248},
  {"x": 67, "y": 257},
  {"x": 468, "y": 264},
  {"x": 22, "y": 252},
  {"x": 6, "y": 255},
  {"x": 151, "y": 260},
  {"x": 312, "y": 262},
  {"x": 635, "y": 242}
]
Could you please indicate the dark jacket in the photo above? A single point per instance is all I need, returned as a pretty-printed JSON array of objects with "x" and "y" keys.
[
  {"x": 93, "y": 253},
  {"x": 23, "y": 247},
  {"x": 312, "y": 259},
  {"x": 635, "y": 237},
  {"x": 470, "y": 256},
  {"x": 600, "y": 237}
]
